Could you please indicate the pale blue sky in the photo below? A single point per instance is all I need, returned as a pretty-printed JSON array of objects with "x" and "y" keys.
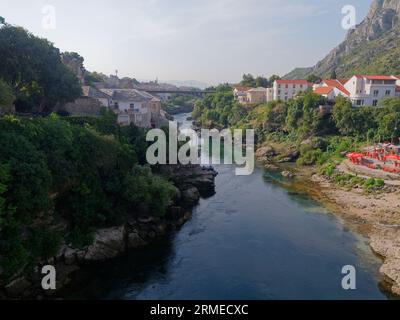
[{"x": 207, "y": 40}]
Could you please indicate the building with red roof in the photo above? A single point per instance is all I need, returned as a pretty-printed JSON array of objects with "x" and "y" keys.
[
  {"x": 368, "y": 90},
  {"x": 288, "y": 89}
]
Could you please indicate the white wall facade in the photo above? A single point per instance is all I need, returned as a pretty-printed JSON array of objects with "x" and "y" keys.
[
  {"x": 288, "y": 89},
  {"x": 367, "y": 92}
]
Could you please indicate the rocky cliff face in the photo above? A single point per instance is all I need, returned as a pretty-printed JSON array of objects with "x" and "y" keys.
[{"x": 372, "y": 47}]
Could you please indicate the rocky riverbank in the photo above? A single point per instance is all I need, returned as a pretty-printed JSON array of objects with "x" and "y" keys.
[
  {"x": 375, "y": 215},
  {"x": 192, "y": 182}
]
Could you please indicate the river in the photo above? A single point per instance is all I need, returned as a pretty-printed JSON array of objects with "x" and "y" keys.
[{"x": 253, "y": 239}]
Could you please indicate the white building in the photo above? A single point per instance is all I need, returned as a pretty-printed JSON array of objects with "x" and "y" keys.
[
  {"x": 397, "y": 78},
  {"x": 288, "y": 89},
  {"x": 331, "y": 88},
  {"x": 97, "y": 94},
  {"x": 257, "y": 95},
  {"x": 134, "y": 106},
  {"x": 270, "y": 94},
  {"x": 368, "y": 90},
  {"x": 240, "y": 93}
]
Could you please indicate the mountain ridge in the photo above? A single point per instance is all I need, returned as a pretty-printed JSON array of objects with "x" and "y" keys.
[{"x": 372, "y": 47}]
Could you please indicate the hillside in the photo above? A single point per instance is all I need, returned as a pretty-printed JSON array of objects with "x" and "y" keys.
[{"x": 372, "y": 47}]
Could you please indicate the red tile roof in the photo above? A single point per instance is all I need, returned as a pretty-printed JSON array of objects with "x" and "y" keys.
[
  {"x": 343, "y": 81},
  {"x": 241, "y": 88},
  {"x": 294, "y": 82},
  {"x": 323, "y": 90},
  {"x": 374, "y": 77},
  {"x": 338, "y": 85}
]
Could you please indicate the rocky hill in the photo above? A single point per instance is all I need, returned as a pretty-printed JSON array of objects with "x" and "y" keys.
[{"x": 372, "y": 47}]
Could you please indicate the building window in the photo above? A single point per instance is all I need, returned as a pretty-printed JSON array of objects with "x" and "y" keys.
[
  {"x": 375, "y": 103},
  {"x": 132, "y": 106},
  {"x": 279, "y": 91},
  {"x": 376, "y": 93},
  {"x": 301, "y": 86},
  {"x": 388, "y": 92},
  {"x": 116, "y": 106},
  {"x": 294, "y": 86},
  {"x": 287, "y": 86},
  {"x": 359, "y": 102},
  {"x": 279, "y": 86}
]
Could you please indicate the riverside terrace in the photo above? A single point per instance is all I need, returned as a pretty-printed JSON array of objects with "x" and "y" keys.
[{"x": 383, "y": 157}]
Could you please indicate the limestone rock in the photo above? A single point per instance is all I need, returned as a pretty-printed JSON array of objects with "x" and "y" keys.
[
  {"x": 135, "y": 241},
  {"x": 191, "y": 195},
  {"x": 108, "y": 243},
  {"x": 17, "y": 287}
]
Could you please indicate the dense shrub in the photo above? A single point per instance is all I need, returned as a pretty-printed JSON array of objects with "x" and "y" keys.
[{"x": 61, "y": 178}]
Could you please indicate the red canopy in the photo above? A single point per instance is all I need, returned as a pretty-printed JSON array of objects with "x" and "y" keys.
[
  {"x": 393, "y": 157},
  {"x": 355, "y": 155}
]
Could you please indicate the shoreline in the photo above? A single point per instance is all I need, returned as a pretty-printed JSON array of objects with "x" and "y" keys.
[
  {"x": 375, "y": 216},
  {"x": 193, "y": 183}
]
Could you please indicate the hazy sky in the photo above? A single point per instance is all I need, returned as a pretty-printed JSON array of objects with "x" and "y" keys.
[{"x": 207, "y": 40}]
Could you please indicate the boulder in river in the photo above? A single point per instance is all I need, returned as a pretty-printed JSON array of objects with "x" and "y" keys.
[
  {"x": 191, "y": 195},
  {"x": 287, "y": 174}
]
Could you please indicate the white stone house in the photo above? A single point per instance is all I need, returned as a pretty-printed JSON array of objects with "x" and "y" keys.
[
  {"x": 368, "y": 90},
  {"x": 240, "y": 93},
  {"x": 288, "y": 89},
  {"x": 331, "y": 88},
  {"x": 397, "y": 78},
  {"x": 257, "y": 95},
  {"x": 134, "y": 106},
  {"x": 100, "y": 96}
]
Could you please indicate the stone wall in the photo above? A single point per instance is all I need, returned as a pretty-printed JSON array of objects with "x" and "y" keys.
[{"x": 83, "y": 106}]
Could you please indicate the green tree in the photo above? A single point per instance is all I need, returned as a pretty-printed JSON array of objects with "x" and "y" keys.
[
  {"x": 313, "y": 78},
  {"x": 273, "y": 78},
  {"x": 342, "y": 115},
  {"x": 33, "y": 68},
  {"x": 262, "y": 82},
  {"x": 6, "y": 98},
  {"x": 248, "y": 81}
]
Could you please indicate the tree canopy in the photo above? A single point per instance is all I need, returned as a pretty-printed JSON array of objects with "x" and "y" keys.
[
  {"x": 6, "y": 97},
  {"x": 33, "y": 68}
]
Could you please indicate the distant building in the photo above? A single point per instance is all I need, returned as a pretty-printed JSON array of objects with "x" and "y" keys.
[
  {"x": 331, "y": 88},
  {"x": 397, "y": 78},
  {"x": 257, "y": 95},
  {"x": 362, "y": 90},
  {"x": 134, "y": 106},
  {"x": 97, "y": 94},
  {"x": 240, "y": 93},
  {"x": 368, "y": 90},
  {"x": 288, "y": 89}
]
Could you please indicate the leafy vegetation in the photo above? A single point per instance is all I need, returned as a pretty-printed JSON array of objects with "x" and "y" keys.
[
  {"x": 321, "y": 138},
  {"x": 259, "y": 81},
  {"x": 6, "y": 97},
  {"x": 61, "y": 179},
  {"x": 179, "y": 103},
  {"x": 33, "y": 69}
]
